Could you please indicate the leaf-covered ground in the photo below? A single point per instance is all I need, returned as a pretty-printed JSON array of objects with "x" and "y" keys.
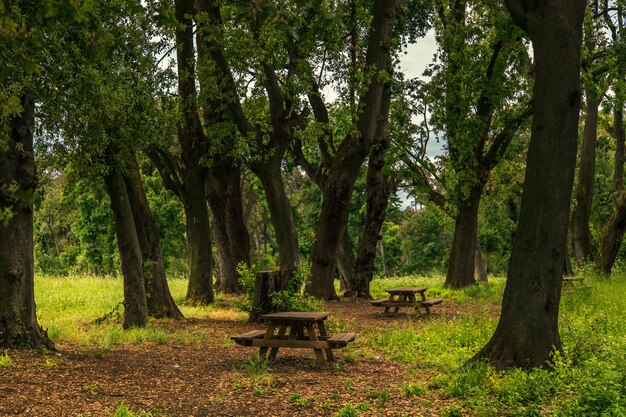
[{"x": 213, "y": 377}]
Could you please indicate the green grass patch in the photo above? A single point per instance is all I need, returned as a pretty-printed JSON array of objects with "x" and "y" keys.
[{"x": 5, "y": 360}]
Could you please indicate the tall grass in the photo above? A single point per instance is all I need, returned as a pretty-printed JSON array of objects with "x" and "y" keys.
[{"x": 68, "y": 306}]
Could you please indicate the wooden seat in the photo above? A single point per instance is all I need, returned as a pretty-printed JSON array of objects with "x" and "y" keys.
[
  {"x": 341, "y": 340},
  {"x": 427, "y": 304},
  {"x": 431, "y": 302},
  {"x": 246, "y": 339},
  {"x": 379, "y": 302}
]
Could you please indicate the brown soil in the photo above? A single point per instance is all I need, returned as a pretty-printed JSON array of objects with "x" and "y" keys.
[{"x": 207, "y": 378}]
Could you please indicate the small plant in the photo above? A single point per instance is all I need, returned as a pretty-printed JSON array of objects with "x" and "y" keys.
[
  {"x": 413, "y": 389},
  {"x": 453, "y": 411},
  {"x": 256, "y": 365},
  {"x": 91, "y": 388},
  {"x": 5, "y": 360},
  {"x": 125, "y": 411},
  {"x": 300, "y": 401},
  {"x": 350, "y": 410},
  {"x": 49, "y": 363},
  {"x": 383, "y": 398}
]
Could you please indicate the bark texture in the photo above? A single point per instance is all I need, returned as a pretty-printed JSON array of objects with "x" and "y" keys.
[
  {"x": 583, "y": 196},
  {"x": 351, "y": 154},
  {"x": 18, "y": 179},
  {"x": 379, "y": 189},
  {"x": 193, "y": 144},
  {"x": 527, "y": 333},
  {"x": 463, "y": 252},
  {"x": 158, "y": 297},
  {"x": 231, "y": 235},
  {"x": 135, "y": 306}
]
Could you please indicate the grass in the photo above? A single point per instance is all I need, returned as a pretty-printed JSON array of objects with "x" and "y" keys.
[
  {"x": 68, "y": 311},
  {"x": 588, "y": 380},
  {"x": 5, "y": 360}
]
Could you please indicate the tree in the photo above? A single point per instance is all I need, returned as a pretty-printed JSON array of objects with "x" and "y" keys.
[
  {"x": 482, "y": 82},
  {"x": 527, "y": 333},
  {"x": 22, "y": 35},
  {"x": 353, "y": 150}
]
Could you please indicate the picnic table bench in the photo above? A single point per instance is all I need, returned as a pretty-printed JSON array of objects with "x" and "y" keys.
[
  {"x": 405, "y": 297},
  {"x": 571, "y": 283},
  {"x": 302, "y": 335}
]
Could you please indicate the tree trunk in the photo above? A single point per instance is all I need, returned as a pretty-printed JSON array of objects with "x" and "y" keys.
[
  {"x": 270, "y": 175},
  {"x": 527, "y": 334},
  {"x": 18, "y": 179},
  {"x": 158, "y": 297},
  {"x": 383, "y": 260},
  {"x": 345, "y": 261},
  {"x": 583, "y": 197},
  {"x": 378, "y": 192},
  {"x": 200, "y": 288},
  {"x": 612, "y": 237},
  {"x": 352, "y": 153},
  {"x": 267, "y": 283},
  {"x": 135, "y": 306},
  {"x": 462, "y": 262},
  {"x": 482, "y": 263},
  {"x": 231, "y": 235},
  {"x": 194, "y": 146},
  {"x": 618, "y": 130}
]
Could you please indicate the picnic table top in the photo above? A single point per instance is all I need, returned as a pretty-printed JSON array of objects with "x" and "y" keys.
[
  {"x": 296, "y": 316},
  {"x": 405, "y": 290}
]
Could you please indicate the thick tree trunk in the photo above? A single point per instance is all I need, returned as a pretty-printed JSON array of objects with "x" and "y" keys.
[
  {"x": 378, "y": 192},
  {"x": 194, "y": 146},
  {"x": 612, "y": 237},
  {"x": 463, "y": 252},
  {"x": 135, "y": 306},
  {"x": 267, "y": 283},
  {"x": 583, "y": 197},
  {"x": 527, "y": 334},
  {"x": 200, "y": 288},
  {"x": 230, "y": 232},
  {"x": 158, "y": 297},
  {"x": 18, "y": 179},
  {"x": 345, "y": 261},
  {"x": 351, "y": 154},
  {"x": 270, "y": 175}
]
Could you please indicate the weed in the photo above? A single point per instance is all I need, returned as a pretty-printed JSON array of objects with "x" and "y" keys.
[
  {"x": 5, "y": 360},
  {"x": 383, "y": 397},
  {"x": 125, "y": 411},
  {"x": 350, "y": 410},
  {"x": 413, "y": 389},
  {"x": 91, "y": 388},
  {"x": 300, "y": 401}
]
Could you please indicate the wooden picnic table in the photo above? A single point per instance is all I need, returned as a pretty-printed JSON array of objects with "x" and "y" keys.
[
  {"x": 406, "y": 297},
  {"x": 306, "y": 331}
]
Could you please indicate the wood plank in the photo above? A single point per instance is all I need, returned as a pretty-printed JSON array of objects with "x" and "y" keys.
[
  {"x": 286, "y": 343},
  {"x": 296, "y": 316},
  {"x": 253, "y": 334},
  {"x": 406, "y": 290},
  {"x": 379, "y": 301},
  {"x": 431, "y": 302}
]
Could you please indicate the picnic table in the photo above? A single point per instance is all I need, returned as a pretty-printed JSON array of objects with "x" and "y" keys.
[
  {"x": 570, "y": 283},
  {"x": 405, "y": 297},
  {"x": 306, "y": 331}
]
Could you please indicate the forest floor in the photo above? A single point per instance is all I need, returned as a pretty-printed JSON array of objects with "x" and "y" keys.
[{"x": 214, "y": 377}]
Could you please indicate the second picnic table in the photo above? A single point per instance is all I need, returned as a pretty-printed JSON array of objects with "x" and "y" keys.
[
  {"x": 405, "y": 297},
  {"x": 302, "y": 334}
]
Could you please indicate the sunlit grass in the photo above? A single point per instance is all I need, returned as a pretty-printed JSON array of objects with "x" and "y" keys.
[{"x": 68, "y": 306}]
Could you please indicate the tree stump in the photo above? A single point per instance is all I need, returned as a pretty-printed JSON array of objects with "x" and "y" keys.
[{"x": 267, "y": 283}]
